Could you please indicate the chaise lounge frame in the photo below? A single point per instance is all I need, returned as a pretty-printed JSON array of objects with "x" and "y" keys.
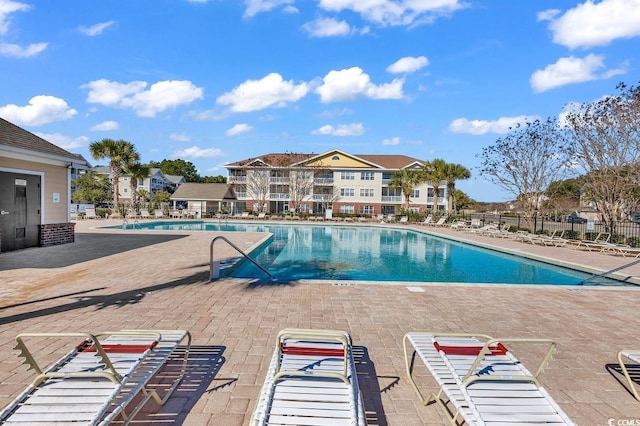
[
  {"x": 98, "y": 379},
  {"x": 634, "y": 356},
  {"x": 483, "y": 382},
  {"x": 311, "y": 381}
]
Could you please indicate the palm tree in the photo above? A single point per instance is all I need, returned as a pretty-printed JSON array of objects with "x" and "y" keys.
[
  {"x": 135, "y": 171},
  {"x": 406, "y": 179},
  {"x": 454, "y": 172},
  {"x": 119, "y": 153},
  {"x": 435, "y": 172}
]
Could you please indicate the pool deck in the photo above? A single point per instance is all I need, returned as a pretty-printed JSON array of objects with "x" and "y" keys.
[{"x": 114, "y": 279}]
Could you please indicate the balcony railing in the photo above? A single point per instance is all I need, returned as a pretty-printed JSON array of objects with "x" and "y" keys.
[
  {"x": 391, "y": 199},
  {"x": 440, "y": 200},
  {"x": 323, "y": 181},
  {"x": 322, "y": 197},
  {"x": 241, "y": 194},
  {"x": 237, "y": 179},
  {"x": 279, "y": 180},
  {"x": 278, "y": 195}
]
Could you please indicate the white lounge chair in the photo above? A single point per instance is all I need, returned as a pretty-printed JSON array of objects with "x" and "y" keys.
[
  {"x": 634, "y": 356},
  {"x": 440, "y": 222},
  {"x": 311, "y": 381},
  {"x": 144, "y": 214},
  {"x": 90, "y": 213},
  {"x": 427, "y": 220},
  {"x": 404, "y": 219},
  {"x": 94, "y": 383},
  {"x": 158, "y": 213},
  {"x": 482, "y": 381}
]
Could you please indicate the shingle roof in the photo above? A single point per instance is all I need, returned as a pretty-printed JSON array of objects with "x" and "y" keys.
[
  {"x": 204, "y": 192},
  {"x": 390, "y": 161},
  {"x": 275, "y": 159},
  {"x": 16, "y": 137},
  {"x": 287, "y": 159}
]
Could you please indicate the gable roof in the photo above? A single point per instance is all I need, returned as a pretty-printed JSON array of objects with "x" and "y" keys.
[
  {"x": 203, "y": 192},
  {"x": 391, "y": 161},
  {"x": 273, "y": 160},
  {"x": 16, "y": 140}
]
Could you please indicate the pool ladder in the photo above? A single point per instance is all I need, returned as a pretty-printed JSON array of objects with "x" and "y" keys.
[
  {"x": 136, "y": 224},
  {"x": 214, "y": 267}
]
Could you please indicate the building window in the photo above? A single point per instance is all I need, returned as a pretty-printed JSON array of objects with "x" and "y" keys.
[
  {"x": 347, "y": 209},
  {"x": 366, "y": 192},
  {"x": 366, "y": 210},
  {"x": 347, "y": 192},
  {"x": 415, "y": 193},
  {"x": 348, "y": 175},
  {"x": 335, "y": 158},
  {"x": 367, "y": 176}
]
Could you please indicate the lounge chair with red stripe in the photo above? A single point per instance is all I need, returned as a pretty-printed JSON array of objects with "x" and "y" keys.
[
  {"x": 481, "y": 382},
  {"x": 633, "y": 356},
  {"x": 94, "y": 383},
  {"x": 311, "y": 381}
]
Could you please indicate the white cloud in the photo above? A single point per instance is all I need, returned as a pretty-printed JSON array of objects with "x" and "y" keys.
[
  {"x": 408, "y": 64},
  {"x": 597, "y": 24},
  {"x": 258, "y": 6},
  {"x": 481, "y": 127},
  {"x": 569, "y": 71},
  {"x": 179, "y": 137},
  {"x": 392, "y": 12},
  {"x": 254, "y": 95},
  {"x": 146, "y": 103},
  {"x": 327, "y": 27},
  {"x": 353, "y": 129},
  {"x": 353, "y": 83},
  {"x": 548, "y": 15},
  {"x": 96, "y": 29},
  {"x": 238, "y": 129},
  {"x": 197, "y": 152},
  {"x": 105, "y": 126},
  {"x": 391, "y": 141},
  {"x": 65, "y": 142},
  {"x": 17, "y": 51},
  {"x": 41, "y": 110},
  {"x": 7, "y": 7}
]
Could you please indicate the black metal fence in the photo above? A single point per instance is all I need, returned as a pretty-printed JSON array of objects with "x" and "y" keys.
[{"x": 625, "y": 232}]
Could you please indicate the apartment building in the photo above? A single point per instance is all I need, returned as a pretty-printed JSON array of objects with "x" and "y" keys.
[{"x": 336, "y": 180}]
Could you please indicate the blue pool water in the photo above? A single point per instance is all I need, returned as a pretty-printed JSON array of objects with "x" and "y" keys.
[{"x": 361, "y": 253}]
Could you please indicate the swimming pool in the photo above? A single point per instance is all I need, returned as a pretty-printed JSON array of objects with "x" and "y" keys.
[{"x": 372, "y": 253}]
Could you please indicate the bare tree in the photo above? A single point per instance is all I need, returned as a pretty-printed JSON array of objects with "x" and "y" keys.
[
  {"x": 604, "y": 144},
  {"x": 258, "y": 186},
  {"x": 300, "y": 187},
  {"x": 526, "y": 161}
]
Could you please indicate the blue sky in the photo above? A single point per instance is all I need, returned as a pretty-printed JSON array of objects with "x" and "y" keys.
[{"x": 218, "y": 81}]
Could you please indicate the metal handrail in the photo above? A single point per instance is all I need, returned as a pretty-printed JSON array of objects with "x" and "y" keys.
[
  {"x": 125, "y": 224},
  {"x": 220, "y": 237},
  {"x": 593, "y": 277}
]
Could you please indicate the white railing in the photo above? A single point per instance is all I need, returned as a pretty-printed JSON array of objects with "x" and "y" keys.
[
  {"x": 237, "y": 179},
  {"x": 323, "y": 181},
  {"x": 279, "y": 180},
  {"x": 391, "y": 199},
  {"x": 241, "y": 194},
  {"x": 278, "y": 196}
]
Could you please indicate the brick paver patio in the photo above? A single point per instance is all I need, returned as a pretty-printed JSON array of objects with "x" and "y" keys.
[{"x": 116, "y": 280}]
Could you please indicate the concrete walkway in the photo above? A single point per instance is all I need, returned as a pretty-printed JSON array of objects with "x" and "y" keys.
[{"x": 113, "y": 279}]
